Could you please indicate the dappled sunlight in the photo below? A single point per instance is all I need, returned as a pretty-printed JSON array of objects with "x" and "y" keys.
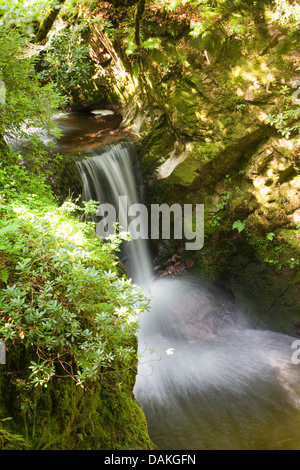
[
  {"x": 55, "y": 222},
  {"x": 289, "y": 144},
  {"x": 296, "y": 217},
  {"x": 285, "y": 12},
  {"x": 263, "y": 190},
  {"x": 263, "y": 117},
  {"x": 159, "y": 303},
  {"x": 255, "y": 72}
]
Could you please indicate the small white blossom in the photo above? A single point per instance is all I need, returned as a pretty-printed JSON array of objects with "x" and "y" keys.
[
  {"x": 121, "y": 311},
  {"x": 169, "y": 351}
]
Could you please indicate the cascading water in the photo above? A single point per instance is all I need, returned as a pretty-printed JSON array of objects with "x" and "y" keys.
[
  {"x": 107, "y": 175},
  {"x": 207, "y": 380}
]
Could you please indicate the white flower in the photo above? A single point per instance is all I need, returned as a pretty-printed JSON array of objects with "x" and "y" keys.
[
  {"x": 169, "y": 351},
  {"x": 121, "y": 311}
]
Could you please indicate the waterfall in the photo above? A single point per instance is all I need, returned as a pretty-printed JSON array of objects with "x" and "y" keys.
[
  {"x": 207, "y": 378},
  {"x": 108, "y": 174}
]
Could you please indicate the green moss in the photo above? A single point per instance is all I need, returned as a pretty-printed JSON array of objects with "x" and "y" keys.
[
  {"x": 185, "y": 173},
  {"x": 155, "y": 147},
  {"x": 185, "y": 105},
  {"x": 199, "y": 155},
  {"x": 10, "y": 441},
  {"x": 64, "y": 416}
]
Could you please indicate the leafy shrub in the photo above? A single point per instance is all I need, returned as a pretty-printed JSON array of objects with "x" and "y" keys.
[
  {"x": 29, "y": 106},
  {"x": 61, "y": 296},
  {"x": 67, "y": 59}
]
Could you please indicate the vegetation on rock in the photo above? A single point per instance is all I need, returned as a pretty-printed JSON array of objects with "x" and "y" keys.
[
  {"x": 211, "y": 89},
  {"x": 68, "y": 318}
]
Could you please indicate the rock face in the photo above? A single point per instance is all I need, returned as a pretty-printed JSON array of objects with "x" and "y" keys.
[
  {"x": 221, "y": 151},
  {"x": 202, "y": 108}
]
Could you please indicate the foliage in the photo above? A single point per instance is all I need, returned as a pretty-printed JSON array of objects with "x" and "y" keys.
[
  {"x": 27, "y": 113},
  {"x": 152, "y": 43},
  {"x": 239, "y": 225},
  {"x": 286, "y": 121},
  {"x": 131, "y": 46},
  {"x": 66, "y": 60},
  {"x": 225, "y": 197},
  {"x": 61, "y": 295},
  {"x": 22, "y": 14},
  {"x": 9, "y": 441},
  {"x": 286, "y": 12},
  {"x": 270, "y": 236},
  {"x": 171, "y": 5}
]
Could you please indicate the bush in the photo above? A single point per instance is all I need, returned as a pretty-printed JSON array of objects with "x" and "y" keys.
[
  {"x": 29, "y": 106},
  {"x": 61, "y": 296}
]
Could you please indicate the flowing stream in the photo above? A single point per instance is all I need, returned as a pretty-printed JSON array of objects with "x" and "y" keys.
[
  {"x": 207, "y": 379},
  {"x": 108, "y": 174}
]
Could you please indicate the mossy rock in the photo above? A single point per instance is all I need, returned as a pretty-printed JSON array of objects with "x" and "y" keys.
[{"x": 64, "y": 416}]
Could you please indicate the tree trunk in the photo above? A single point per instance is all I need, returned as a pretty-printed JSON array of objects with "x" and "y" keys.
[
  {"x": 140, "y": 10},
  {"x": 139, "y": 14},
  {"x": 48, "y": 21}
]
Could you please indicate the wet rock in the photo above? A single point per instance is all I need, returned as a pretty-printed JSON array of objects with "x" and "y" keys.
[
  {"x": 102, "y": 112},
  {"x": 173, "y": 266}
]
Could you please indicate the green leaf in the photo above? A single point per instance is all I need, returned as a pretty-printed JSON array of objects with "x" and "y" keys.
[
  {"x": 240, "y": 226},
  {"x": 270, "y": 236},
  {"x": 152, "y": 43},
  {"x": 4, "y": 275}
]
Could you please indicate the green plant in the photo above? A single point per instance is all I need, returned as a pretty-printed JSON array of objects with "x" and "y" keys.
[
  {"x": 215, "y": 222},
  {"x": 270, "y": 236},
  {"x": 273, "y": 262},
  {"x": 225, "y": 197},
  {"x": 286, "y": 121},
  {"x": 66, "y": 60},
  {"x": 240, "y": 226},
  {"x": 61, "y": 296},
  {"x": 20, "y": 14},
  {"x": 292, "y": 263},
  {"x": 8, "y": 440},
  {"x": 29, "y": 107}
]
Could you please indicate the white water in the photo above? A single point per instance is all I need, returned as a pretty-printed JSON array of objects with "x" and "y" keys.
[
  {"x": 207, "y": 380},
  {"x": 235, "y": 389},
  {"x": 107, "y": 175}
]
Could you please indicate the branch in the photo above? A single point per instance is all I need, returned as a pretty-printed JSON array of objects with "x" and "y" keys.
[{"x": 48, "y": 21}]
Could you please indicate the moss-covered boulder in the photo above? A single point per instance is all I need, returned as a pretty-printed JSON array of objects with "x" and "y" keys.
[{"x": 64, "y": 416}]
